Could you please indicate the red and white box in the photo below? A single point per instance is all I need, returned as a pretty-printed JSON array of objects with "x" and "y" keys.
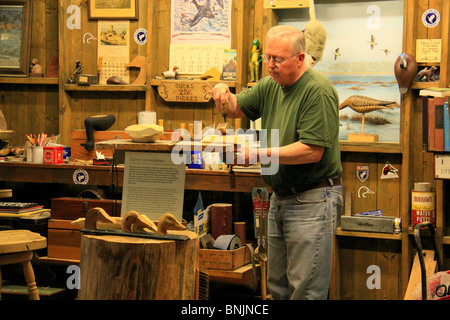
[{"x": 53, "y": 154}]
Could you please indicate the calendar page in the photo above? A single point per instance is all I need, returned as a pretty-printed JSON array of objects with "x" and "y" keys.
[
  {"x": 196, "y": 59},
  {"x": 113, "y": 50}
]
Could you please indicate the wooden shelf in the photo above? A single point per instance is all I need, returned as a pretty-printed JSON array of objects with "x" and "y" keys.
[
  {"x": 24, "y": 80},
  {"x": 157, "y": 82},
  {"x": 424, "y": 85},
  {"x": 377, "y": 147},
  {"x": 105, "y": 87},
  {"x": 373, "y": 235}
]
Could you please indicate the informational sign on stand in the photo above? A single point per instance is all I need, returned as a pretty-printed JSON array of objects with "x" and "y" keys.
[{"x": 153, "y": 185}]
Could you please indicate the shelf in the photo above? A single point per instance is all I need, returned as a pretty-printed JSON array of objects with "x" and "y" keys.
[
  {"x": 105, "y": 87},
  {"x": 376, "y": 147},
  {"x": 424, "y": 85},
  {"x": 23, "y": 80},
  {"x": 157, "y": 82},
  {"x": 373, "y": 235}
]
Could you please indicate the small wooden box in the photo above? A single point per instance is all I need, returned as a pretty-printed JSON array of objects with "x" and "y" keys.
[
  {"x": 79, "y": 137},
  {"x": 224, "y": 259}
]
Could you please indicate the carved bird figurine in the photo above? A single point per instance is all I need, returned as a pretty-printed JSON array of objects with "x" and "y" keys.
[
  {"x": 97, "y": 215},
  {"x": 405, "y": 69},
  {"x": 169, "y": 222},
  {"x": 171, "y": 74},
  {"x": 133, "y": 221},
  {"x": 363, "y": 105}
]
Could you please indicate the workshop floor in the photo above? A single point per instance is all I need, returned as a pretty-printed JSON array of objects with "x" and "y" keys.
[{"x": 51, "y": 282}]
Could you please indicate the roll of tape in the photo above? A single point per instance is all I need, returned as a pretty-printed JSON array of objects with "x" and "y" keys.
[{"x": 227, "y": 242}]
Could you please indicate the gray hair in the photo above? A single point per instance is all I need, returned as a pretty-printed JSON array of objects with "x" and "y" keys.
[{"x": 283, "y": 31}]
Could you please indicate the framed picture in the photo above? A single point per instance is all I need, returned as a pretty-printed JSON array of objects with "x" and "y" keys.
[
  {"x": 113, "y": 9},
  {"x": 14, "y": 37}
]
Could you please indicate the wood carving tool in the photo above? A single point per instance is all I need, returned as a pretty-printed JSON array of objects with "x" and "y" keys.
[{"x": 224, "y": 111}]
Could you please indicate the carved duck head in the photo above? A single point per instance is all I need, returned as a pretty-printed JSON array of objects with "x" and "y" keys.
[
  {"x": 169, "y": 222},
  {"x": 133, "y": 221},
  {"x": 97, "y": 214}
]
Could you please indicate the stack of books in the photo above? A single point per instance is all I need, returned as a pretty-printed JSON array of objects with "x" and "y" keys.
[
  {"x": 435, "y": 119},
  {"x": 20, "y": 208}
]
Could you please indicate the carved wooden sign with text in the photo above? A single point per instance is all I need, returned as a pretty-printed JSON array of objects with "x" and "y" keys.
[{"x": 185, "y": 91}]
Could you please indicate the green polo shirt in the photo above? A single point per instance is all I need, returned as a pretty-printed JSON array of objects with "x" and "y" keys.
[{"x": 307, "y": 111}]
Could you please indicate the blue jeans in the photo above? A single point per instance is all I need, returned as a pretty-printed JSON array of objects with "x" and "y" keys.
[{"x": 301, "y": 231}]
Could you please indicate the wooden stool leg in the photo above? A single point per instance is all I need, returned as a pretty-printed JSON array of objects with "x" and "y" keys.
[{"x": 31, "y": 281}]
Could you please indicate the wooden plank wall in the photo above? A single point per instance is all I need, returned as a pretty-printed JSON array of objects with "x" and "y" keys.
[
  {"x": 75, "y": 106},
  {"x": 33, "y": 108}
]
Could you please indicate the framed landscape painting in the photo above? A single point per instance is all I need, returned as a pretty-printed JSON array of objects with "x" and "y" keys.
[{"x": 14, "y": 37}]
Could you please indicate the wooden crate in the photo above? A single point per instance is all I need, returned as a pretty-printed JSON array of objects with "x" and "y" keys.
[
  {"x": 79, "y": 136},
  {"x": 224, "y": 259}
]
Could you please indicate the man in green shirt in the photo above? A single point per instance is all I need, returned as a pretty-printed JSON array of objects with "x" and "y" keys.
[{"x": 299, "y": 106}]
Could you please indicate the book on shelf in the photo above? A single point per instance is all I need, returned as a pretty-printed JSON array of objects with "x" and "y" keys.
[
  {"x": 435, "y": 92},
  {"x": 431, "y": 125},
  {"x": 446, "y": 127},
  {"x": 436, "y": 124}
]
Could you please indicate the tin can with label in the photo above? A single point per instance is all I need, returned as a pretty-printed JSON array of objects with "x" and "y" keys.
[{"x": 423, "y": 203}]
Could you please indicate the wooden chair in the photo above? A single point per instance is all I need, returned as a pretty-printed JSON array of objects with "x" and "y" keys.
[{"x": 17, "y": 246}]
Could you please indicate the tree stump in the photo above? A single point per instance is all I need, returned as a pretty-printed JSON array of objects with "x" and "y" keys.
[{"x": 129, "y": 268}]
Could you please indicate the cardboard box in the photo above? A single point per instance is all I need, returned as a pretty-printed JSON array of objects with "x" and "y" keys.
[
  {"x": 79, "y": 137},
  {"x": 224, "y": 259}
]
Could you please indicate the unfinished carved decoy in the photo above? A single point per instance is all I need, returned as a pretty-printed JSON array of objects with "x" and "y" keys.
[
  {"x": 135, "y": 222},
  {"x": 97, "y": 215}
]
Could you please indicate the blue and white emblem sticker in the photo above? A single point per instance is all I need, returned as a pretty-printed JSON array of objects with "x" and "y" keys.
[
  {"x": 140, "y": 36},
  {"x": 362, "y": 173},
  {"x": 80, "y": 176},
  {"x": 431, "y": 18}
]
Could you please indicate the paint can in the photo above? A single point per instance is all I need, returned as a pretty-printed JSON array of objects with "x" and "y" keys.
[{"x": 423, "y": 203}]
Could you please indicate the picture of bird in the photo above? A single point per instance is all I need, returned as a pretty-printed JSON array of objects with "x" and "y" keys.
[
  {"x": 372, "y": 42},
  {"x": 336, "y": 53},
  {"x": 386, "y": 51},
  {"x": 363, "y": 105}
]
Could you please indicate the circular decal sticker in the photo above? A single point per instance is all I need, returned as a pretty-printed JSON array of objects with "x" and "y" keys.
[
  {"x": 140, "y": 36},
  {"x": 80, "y": 176},
  {"x": 431, "y": 18}
]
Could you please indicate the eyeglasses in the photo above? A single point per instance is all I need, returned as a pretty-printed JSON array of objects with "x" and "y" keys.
[{"x": 275, "y": 60}]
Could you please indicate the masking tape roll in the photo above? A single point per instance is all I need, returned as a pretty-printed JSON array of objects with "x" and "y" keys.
[{"x": 227, "y": 242}]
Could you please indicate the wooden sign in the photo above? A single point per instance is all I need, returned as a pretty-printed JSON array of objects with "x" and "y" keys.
[{"x": 185, "y": 91}]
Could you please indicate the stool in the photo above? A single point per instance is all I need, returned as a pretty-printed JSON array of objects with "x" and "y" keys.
[{"x": 17, "y": 246}]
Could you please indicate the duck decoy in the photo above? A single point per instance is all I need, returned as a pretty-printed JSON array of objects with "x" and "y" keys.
[
  {"x": 171, "y": 74},
  {"x": 405, "y": 69}
]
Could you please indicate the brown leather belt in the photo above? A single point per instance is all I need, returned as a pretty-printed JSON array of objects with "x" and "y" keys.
[{"x": 305, "y": 187}]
